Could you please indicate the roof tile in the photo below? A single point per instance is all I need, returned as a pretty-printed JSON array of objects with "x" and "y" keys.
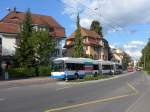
[{"x": 11, "y": 23}]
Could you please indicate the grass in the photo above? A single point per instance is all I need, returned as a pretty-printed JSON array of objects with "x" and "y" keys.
[
  {"x": 148, "y": 72},
  {"x": 91, "y": 77}
]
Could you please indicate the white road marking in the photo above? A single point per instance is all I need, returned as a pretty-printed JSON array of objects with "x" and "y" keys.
[
  {"x": 63, "y": 88},
  {"x": 2, "y": 99},
  {"x": 138, "y": 100},
  {"x": 12, "y": 88},
  {"x": 62, "y": 83}
]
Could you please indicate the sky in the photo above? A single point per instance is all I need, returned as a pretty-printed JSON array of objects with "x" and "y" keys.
[{"x": 126, "y": 23}]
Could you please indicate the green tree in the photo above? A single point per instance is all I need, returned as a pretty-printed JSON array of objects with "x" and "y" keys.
[
  {"x": 96, "y": 26},
  {"x": 146, "y": 56},
  {"x": 24, "y": 51},
  {"x": 126, "y": 60},
  {"x": 34, "y": 47},
  {"x": 43, "y": 47},
  {"x": 78, "y": 46}
]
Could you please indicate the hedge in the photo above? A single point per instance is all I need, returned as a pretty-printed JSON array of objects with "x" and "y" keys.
[
  {"x": 44, "y": 71},
  {"x": 28, "y": 72}
]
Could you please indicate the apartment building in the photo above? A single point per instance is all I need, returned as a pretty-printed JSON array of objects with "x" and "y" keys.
[{"x": 95, "y": 46}]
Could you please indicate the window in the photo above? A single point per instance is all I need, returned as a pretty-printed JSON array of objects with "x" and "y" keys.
[
  {"x": 55, "y": 53},
  {"x": 96, "y": 49},
  {"x": 51, "y": 29},
  {"x": 58, "y": 42},
  {"x": 106, "y": 67},
  {"x": 74, "y": 66},
  {"x": 95, "y": 67},
  {"x": 0, "y": 46},
  {"x": 70, "y": 66},
  {"x": 15, "y": 18},
  {"x": 57, "y": 67},
  {"x": 79, "y": 66},
  {"x": 0, "y": 41},
  {"x": 118, "y": 67}
]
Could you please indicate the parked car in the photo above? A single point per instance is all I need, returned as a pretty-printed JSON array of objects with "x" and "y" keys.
[
  {"x": 130, "y": 69},
  {"x": 138, "y": 69}
]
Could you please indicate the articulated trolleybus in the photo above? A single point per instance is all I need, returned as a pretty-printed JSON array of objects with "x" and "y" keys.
[{"x": 71, "y": 68}]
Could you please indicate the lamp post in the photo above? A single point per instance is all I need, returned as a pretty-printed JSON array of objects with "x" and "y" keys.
[{"x": 4, "y": 72}]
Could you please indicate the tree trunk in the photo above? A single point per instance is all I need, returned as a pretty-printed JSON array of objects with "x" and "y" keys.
[{"x": 37, "y": 71}]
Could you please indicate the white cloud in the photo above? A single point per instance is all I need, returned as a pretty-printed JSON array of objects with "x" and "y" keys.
[
  {"x": 111, "y": 13},
  {"x": 133, "y": 48},
  {"x": 114, "y": 15},
  {"x": 86, "y": 22},
  {"x": 134, "y": 44},
  {"x": 113, "y": 45}
]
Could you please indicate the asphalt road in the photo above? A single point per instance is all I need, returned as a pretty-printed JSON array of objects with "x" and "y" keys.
[{"x": 127, "y": 93}]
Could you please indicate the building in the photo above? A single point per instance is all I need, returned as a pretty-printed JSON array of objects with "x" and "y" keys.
[
  {"x": 10, "y": 28},
  {"x": 94, "y": 45},
  {"x": 117, "y": 55}
]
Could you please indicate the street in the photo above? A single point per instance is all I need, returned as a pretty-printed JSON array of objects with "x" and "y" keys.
[{"x": 125, "y": 93}]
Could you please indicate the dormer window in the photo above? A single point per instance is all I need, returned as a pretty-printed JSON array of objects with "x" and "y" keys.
[
  {"x": 14, "y": 18},
  {"x": 51, "y": 29},
  {"x": 40, "y": 27}
]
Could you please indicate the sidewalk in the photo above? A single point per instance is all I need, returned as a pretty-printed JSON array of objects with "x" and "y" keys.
[{"x": 25, "y": 82}]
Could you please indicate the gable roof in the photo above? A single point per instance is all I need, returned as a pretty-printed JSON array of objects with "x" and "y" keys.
[
  {"x": 16, "y": 18},
  {"x": 9, "y": 28},
  {"x": 86, "y": 33},
  {"x": 89, "y": 33}
]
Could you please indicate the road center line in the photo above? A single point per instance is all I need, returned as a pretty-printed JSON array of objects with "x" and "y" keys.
[
  {"x": 87, "y": 103},
  {"x": 135, "y": 92}
]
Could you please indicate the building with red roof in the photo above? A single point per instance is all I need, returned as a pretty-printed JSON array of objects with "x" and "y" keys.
[
  {"x": 10, "y": 28},
  {"x": 94, "y": 45}
]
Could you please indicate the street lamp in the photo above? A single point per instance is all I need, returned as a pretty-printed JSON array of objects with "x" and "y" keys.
[{"x": 4, "y": 72}]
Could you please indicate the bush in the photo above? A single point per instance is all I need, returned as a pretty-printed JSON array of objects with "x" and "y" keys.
[
  {"x": 91, "y": 77},
  {"x": 21, "y": 72},
  {"x": 28, "y": 72},
  {"x": 44, "y": 71},
  {"x": 147, "y": 70}
]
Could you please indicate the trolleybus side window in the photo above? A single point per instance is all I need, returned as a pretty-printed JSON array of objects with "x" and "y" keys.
[
  {"x": 106, "y": 67},
  {"x": 70, "y": 66},
  {"x": 74, "y": 66},
  {"x": 95, "y": 67},
  {"x": 57, "y": 67}
]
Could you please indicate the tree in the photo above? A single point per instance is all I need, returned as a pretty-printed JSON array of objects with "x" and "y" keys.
[
  {"x": 35, "y": 47},
  {"x": 146, "y": 56},
  {"x": 96, "y": 26},
  {"x": 43, "y": 47},
  {"x": 126, "y": 60},
  {"x": 24, "y": 51},
  {"x": 78, "y": 46}
]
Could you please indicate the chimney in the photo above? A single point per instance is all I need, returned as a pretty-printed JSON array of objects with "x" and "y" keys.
[{"x": 14, "y": 9}]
